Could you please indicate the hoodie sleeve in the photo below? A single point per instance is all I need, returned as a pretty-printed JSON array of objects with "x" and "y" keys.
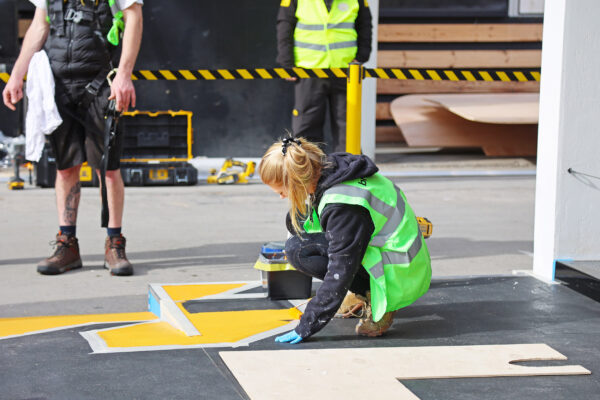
[
  {"x": 286, "y": 24},
  {"x": 348, "y": 229}
]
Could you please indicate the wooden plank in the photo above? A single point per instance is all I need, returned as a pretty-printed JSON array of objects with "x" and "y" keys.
[
  {"x": 444, "y": 33},
  {"x": 395, "y": 86},
  {"x": 425, "y": 124},
  {"x": 23, "y": 26},
  {"x": 388, "y": 134},
  {"x": 459, "y": 58},
  {"x": 382, "y": 112}
]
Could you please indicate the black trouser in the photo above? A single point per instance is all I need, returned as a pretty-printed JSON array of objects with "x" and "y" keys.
[
  {"x": 80, "y": 137},
  {"x": 312, "y": 97},
  {"x": 309, "y": 256}
]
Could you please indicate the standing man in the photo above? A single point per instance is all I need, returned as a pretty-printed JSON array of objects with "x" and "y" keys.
[
  {"x": 76, "y": 34},
  {"x": 322, "y": 34}
]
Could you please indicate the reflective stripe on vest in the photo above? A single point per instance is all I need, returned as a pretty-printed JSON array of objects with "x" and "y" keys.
[
  {"x": 394, "y": 257},
  {"x": 394, "y": 215},
  {"x": 321, "y": 27},
  {"x": 325, "y": 39}
]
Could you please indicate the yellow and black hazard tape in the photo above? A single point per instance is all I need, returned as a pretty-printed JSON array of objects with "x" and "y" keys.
[
  {"x": 456, "y": 74},
  {"x": 438, "y": 74}
]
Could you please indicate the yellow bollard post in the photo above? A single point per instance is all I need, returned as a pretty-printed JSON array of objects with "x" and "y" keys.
[{"x": 353, "y": 107}]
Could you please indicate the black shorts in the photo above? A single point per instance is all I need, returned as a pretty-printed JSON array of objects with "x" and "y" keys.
[{"x": 80, "y": 137}]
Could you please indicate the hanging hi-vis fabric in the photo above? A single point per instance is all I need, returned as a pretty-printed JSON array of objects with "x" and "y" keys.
[
  {"x": 118, "y": 26},
  {"x": 325, "y": 39},
  {"x": 397, "y": 258}
]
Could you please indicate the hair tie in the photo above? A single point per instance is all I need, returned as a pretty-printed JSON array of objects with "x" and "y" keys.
[{"x": 286, "y": 142}]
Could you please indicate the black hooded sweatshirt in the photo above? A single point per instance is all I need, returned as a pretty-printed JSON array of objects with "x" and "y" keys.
[{"x": 348, "y": 228}]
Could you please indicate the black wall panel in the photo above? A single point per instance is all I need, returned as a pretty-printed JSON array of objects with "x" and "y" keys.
[
  {"x": 8, "y": 30},
  {"x": 231, "y": 118},
  {"x": 443, "y": 8}
]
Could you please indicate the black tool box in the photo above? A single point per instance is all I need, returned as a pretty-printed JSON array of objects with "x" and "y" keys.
[{"x": 156, "y": 150}]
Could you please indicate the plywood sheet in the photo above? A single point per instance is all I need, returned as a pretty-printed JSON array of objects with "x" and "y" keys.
[
  {"x": 426, "y": 124},
  {"x": 495, "y": 108},
  {"x": 355, "y": 373}
]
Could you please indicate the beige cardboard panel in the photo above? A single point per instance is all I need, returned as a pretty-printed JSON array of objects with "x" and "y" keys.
[
  {"x": 355, "y": 373},
  {"x": 425, "y": 124},
  {"x": 496, "y": 108}
]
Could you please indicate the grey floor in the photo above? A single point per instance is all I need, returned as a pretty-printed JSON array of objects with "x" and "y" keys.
[{"x": 483, "y": 232}]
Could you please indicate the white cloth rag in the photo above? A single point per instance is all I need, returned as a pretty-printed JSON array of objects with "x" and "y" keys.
[{"x": 42, "y": 116}]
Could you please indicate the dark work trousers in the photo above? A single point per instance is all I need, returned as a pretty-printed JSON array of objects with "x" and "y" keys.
[
  {"x": 312, "y": 98},
  {"x": 309, "y": 256}
]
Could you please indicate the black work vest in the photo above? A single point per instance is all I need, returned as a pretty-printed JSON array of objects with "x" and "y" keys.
[{"x": 77, "y": 45}]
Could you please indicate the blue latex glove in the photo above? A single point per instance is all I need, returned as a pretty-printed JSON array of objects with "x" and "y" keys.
[{"x": 291, "y": 337}]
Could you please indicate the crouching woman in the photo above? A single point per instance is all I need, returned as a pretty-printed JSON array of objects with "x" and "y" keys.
[{"x": 353, "y": 229}]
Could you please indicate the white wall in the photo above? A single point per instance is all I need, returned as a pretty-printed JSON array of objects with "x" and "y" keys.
[
  {"x": 369, "y": 92},
  {"x": 567, "y": 220},
  {"x": 525, "y": 8}
]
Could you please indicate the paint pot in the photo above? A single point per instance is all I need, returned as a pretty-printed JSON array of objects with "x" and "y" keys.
[{"x": 278, "y": 277}]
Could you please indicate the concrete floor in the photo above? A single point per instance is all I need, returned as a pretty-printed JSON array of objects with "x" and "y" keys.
[
  {"x": 482, "y": 226},
  {"x": 483, "y": 231}
]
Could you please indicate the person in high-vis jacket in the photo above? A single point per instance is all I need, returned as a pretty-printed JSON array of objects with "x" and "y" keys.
[
  {"x": 322, "y": 34},
  {"x": 81, "y": 38},
  {"x": 353, "y": 229}
]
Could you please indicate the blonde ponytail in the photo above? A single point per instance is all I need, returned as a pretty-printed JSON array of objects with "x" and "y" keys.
[{"x": 296, "y": 166}]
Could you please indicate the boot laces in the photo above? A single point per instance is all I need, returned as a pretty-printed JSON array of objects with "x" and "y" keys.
[
  {"x": 59, "y": 245},
  {"x": 118, "y": 246}
]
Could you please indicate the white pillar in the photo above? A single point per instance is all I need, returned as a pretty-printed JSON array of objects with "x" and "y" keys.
[
  {"x": 369, "y": 91},
  {"x": 567, "y": 216}
]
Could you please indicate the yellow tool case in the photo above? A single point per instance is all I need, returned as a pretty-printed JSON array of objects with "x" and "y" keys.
[{"x": 156, "y": 150}]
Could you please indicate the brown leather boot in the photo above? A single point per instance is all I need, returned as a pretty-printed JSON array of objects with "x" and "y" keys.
[
  {"x": 353, "y": 306},
  {"x": 367, "y": 327},
  {"x": 65, "y": 257},
  {"x": 115, "y": 259}
]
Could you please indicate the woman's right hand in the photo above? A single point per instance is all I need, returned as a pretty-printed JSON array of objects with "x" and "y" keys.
[
  {"x": 13, "y": 92},
  {"x": 291, "y": 337}
]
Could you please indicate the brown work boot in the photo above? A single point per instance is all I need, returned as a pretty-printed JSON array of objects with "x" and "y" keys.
[
  {"x": 367, "y": 327},
  {"x": 115, "y": 259},
  {"x": 66, "y": 256},
  {"x": 353, "y": 306}
]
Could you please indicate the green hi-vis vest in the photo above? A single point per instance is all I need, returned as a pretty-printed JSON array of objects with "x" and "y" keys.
[
  {"x": 325, "y": 39},
  {"x": 397, "y": 258}
]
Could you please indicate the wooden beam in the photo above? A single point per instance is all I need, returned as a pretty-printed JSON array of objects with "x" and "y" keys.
[
  {"x": 23, "y": 26},
  {"x": 444, "y": 33},
  {"x": 388, "y": 134},
  {"x": 459, "y": 58},
  {"x": 396, "y": 86},
  {"x": 382, "y": 112}
]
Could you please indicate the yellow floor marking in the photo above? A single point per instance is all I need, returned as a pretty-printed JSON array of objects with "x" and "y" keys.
[
  {"x": 216, "y": 327},
  {"x": 189, "y": 292},
  {"x": 24, "y": 325}
]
